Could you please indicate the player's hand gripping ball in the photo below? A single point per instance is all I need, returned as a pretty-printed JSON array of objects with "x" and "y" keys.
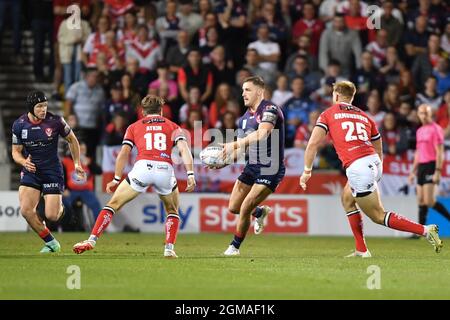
[{"x": 212, "y": 157}]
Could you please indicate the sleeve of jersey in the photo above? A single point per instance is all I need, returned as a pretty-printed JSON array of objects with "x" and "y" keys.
[
  {"x": 322, "y": 122},
  {"x": 16, "y": 139},
  {"x": 128, "y": 138},
  {"x": 270, "y": 114},
  {"x": 178, "y": 135},
  {"x": 375, "y": 134},
  {"x": 64, "y": 128}
]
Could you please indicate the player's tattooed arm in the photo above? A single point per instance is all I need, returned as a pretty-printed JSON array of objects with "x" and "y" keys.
[{"x": 317, "y": 136}]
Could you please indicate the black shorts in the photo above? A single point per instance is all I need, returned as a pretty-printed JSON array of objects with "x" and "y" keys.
[
  {"x": 48, "y": 182},
  {"x": 425, "y": 173},
  {"x": 252, "y": 174}
]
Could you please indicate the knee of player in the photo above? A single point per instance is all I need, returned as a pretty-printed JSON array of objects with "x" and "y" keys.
[
  {"x": 233, "y": 210},
  {"x": 378, "y": 216},
  {"x": 52, "y": 215},
  {"x": 429, "y": 203},
  {"x": 27, "y": 211}
]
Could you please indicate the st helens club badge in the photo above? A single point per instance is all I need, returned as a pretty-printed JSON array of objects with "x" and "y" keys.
[{"x": 48, "y": 131}]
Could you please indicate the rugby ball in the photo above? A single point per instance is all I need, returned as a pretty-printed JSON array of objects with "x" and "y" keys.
[{"x": 211, "y": 157}]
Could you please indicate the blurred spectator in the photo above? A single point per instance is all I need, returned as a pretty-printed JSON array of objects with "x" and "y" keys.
[
  {"x": 304, "y": 131},
  {"x": 432, "y": 16},
  {"x": 228, "y": 127},
  {"x": 310, "y": 26},
  {"x": 416, "y": 39},
  {"x": 378, "y": 48},
  {"x": 327, "y": 10},
  {"x": 303, "y": 44},
  {"x": 443, "y": 115},
  {"x": 356, "y": 19},
  {"x": 425, "y": 62},
  {"x": 145, "y": 50},
  {"x": 392, "y": 66},
  {"x": 323, "y": 97},
  {"x": 70, "y": 43},
  {"x": 406, "y": 88},
  {"x": 268, "y": 51},
  {"x": 232, "y": 19},
  {"x": 221, "y": 104},
  {"x": 189, "y": 20},
  {"x": 85, "y": 99},
  {"x": 116, "y": 9},
  {"x": 210, "y": 21},
  {"x": 296, "y": 109},
  {"x": 42, "y": 27},
  {"x": 333, "y": 71},
  {"x": 163, "y": 78},
  {"x": 395, "y": 139},
  {"x": 254, "y": 11},
  {"x": 128, "y": 93},
  {"x": 276, "y": 27},
  {"x": 176, "y": 55},
  {"x": 115, "y": 130},
  {"x": 113, "y": 50},
  {"x": 391, "y": 23},
  {"x": 374, "y": 109},
  {"x": 221, "y": 67},
  {"x": 204, "y": 7},
  {"x": 366, "y": 79},
  {"x": 16, "y": 17},
  {"x": 139, "y": 77},
  {"x": 407, "y": 118},
  {"x": 282, "y": 93},
  {"x": 194, "y": 73},
  {"x": 430, "y": 95},
  {"x": 117, "y": 104},
  {"x": 81, "y": 189},
  {"x": 445, "y": 39},
  {"x": 94, "y": 40},
  {"x": 193, "y": 103},
  {"x": 195, "y": 129},
  {"x": 211, "y": 42},
  {"x": 255, "y": 69},
  {"x": 168, "y": 26},
  {"x": 442, "y": 74},
  {"x": 129, "y": 30},
  {"x": 301, "y": 69},
  {"x": 339, "y": 43},
  {"x": 391, "y": 98}
]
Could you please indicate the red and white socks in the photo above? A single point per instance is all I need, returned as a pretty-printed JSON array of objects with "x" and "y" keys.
[{"x": 356, "y": 223}]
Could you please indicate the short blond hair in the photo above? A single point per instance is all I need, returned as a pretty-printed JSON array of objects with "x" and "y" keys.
[
  {"x": 152, "y": 104},
  {"x": 346, "y": 89}
]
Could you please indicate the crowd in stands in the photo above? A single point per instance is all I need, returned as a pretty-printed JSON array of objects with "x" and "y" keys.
[{"x": 196, "y": 54}]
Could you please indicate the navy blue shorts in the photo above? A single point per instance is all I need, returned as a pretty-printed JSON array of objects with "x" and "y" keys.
[
  {"x": 252, "y": 174},
  {"x": 47, "y": 182}
]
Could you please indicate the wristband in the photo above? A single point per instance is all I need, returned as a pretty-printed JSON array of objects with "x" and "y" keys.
[
  {"x": 307, "y": 169},
  {"x": 190, "y": 173},
  {"x": 117, "y": 179}
]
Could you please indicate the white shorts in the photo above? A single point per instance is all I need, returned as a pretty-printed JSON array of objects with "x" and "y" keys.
[
  {"x": 363, "y": 175},
  {"x": 157, "y": 174}
]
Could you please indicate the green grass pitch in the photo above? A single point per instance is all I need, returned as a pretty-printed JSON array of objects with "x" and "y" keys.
[{"x": 131, "y": 266}]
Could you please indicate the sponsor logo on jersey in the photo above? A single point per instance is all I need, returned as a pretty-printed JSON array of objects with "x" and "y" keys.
[
  {"x": 35, "y": 128},
  {"x": 24, "y": 133},
  {"x": 49, "y": 131},
  {"x": 164, "y": 155}
]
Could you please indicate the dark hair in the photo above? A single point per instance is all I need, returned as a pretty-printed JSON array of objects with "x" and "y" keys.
[
  {"x": 257, "y": 81},
  {"x": 152, "y": 104}
]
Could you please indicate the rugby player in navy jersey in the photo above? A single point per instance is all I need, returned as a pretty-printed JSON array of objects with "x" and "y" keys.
[
  {"x": 35, "y": 148},
  {"x": 261, "y": 137}
]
